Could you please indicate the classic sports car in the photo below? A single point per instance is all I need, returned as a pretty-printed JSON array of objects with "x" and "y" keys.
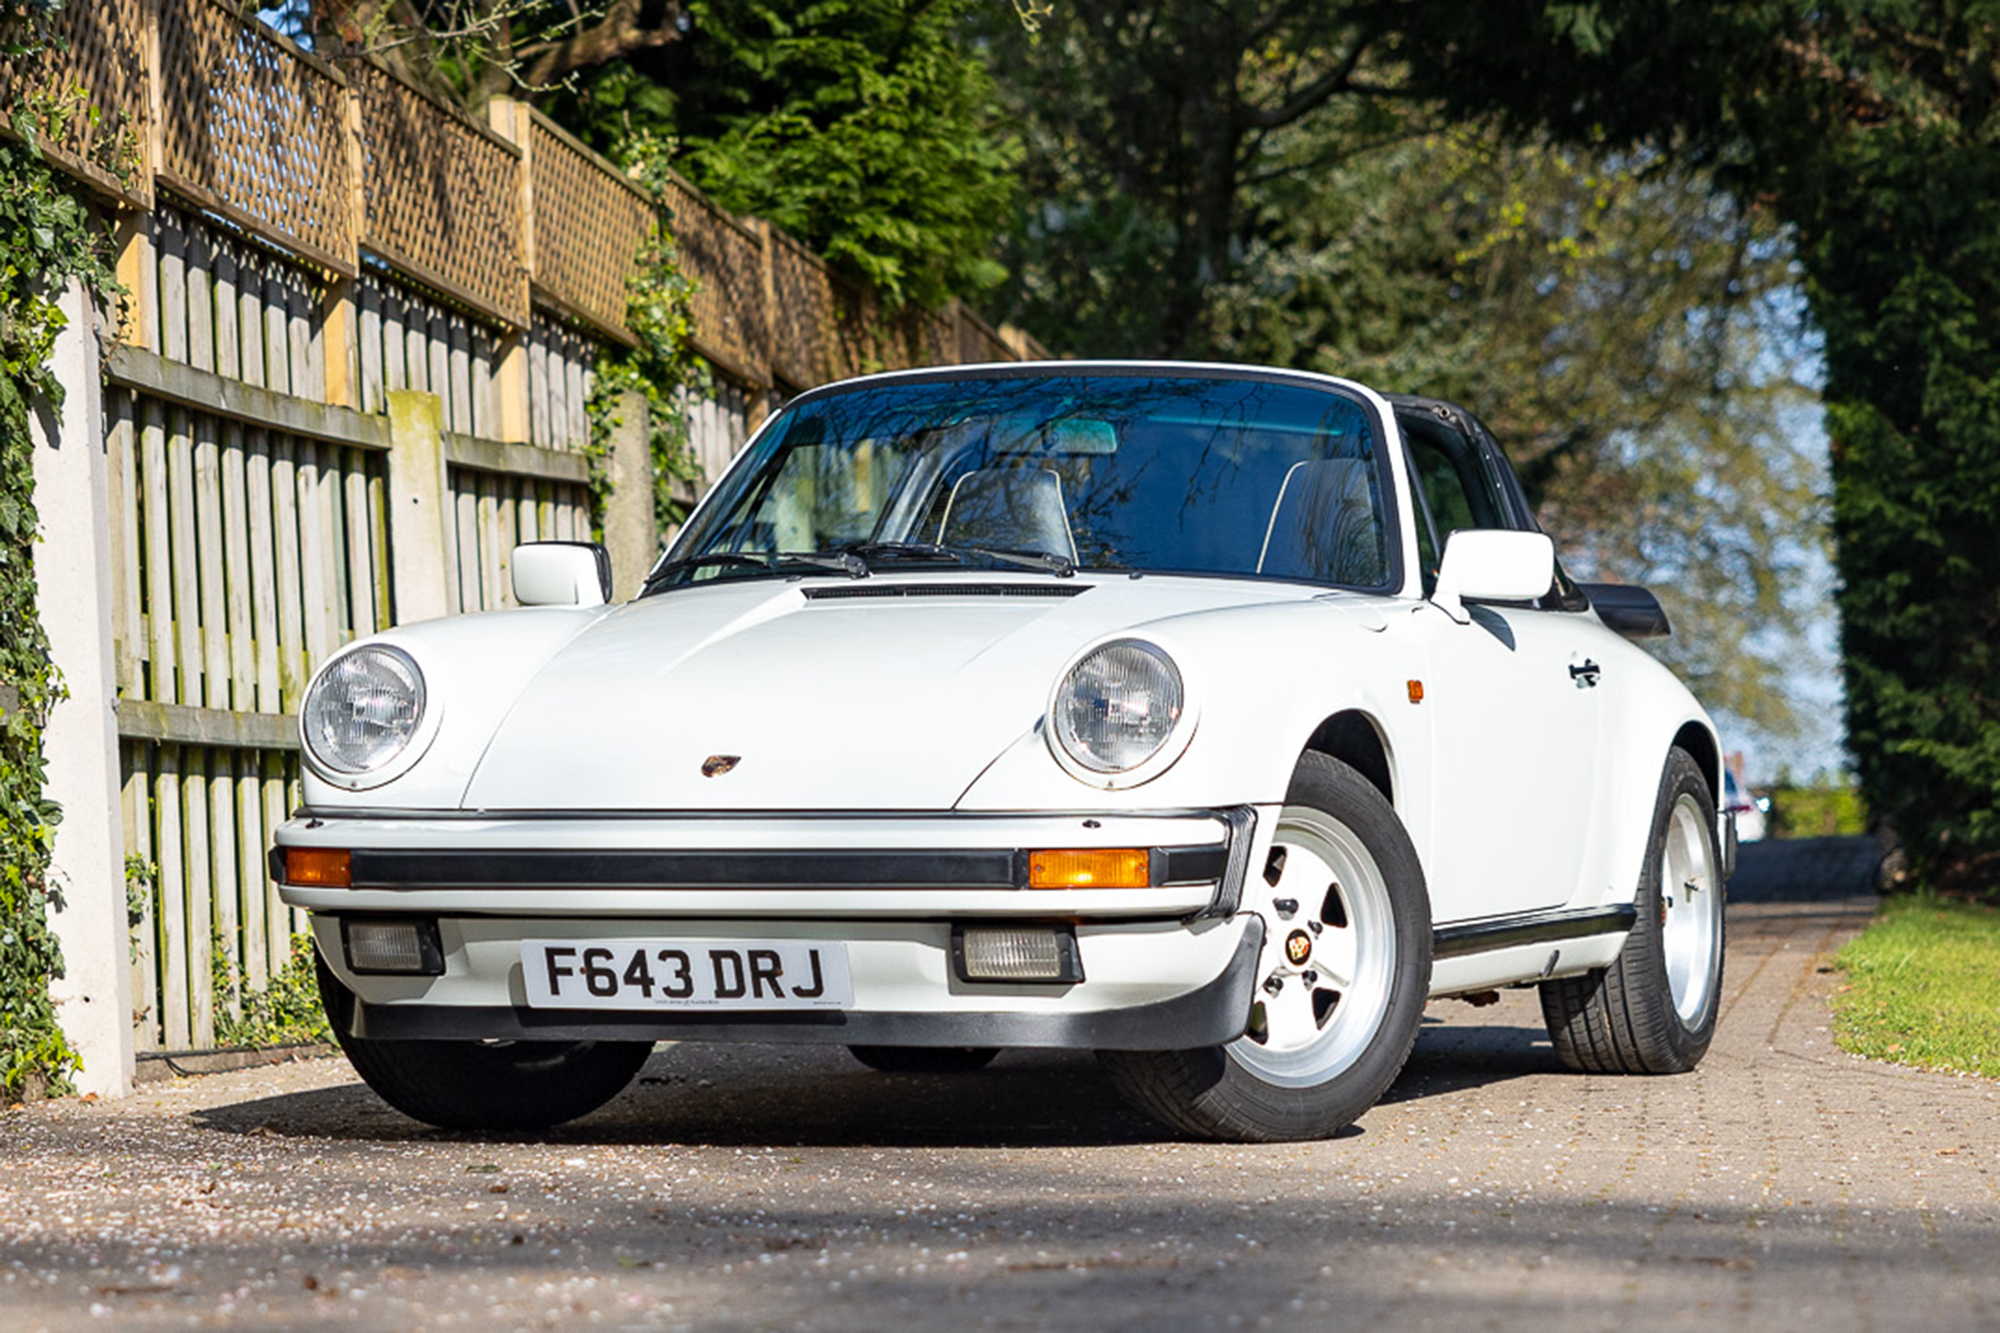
[{"x": 1210, "y": 718}]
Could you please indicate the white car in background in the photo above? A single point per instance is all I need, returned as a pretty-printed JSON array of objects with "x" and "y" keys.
[
  {"x": 1211, "y": 718},
  {"x": 1748, "y": 811}
]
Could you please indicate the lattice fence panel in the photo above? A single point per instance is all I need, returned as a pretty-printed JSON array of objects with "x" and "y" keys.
[
  {"x": 726, "y": 259},
  {"x": 589, "y": 225},
  {"x": 441, "y": 197},
  {"x": 977, "y": 341},
  {"x": 99, "y": 48},
  {"x": 254, "y": 128},
  {"x": 803, "y": 311}
]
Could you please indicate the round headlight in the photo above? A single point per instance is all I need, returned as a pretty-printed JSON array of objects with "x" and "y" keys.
[
  {"x": 363, "y": 709},
  {"x": 1116, "y": 708}
]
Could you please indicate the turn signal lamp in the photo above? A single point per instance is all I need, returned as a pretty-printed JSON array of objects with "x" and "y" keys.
[
  {"x": 1091, "y": 868},
  {"x": 318, "y": 867}
]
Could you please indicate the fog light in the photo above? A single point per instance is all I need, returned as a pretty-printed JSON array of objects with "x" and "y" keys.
[
  {"x": 1091, "y": 868},
  {"x": 1017, "y": 953},
  {"x": 399, "y": 946}
]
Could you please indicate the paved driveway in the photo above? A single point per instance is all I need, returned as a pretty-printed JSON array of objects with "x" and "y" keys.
[{"x": 1783, "y": 1185}]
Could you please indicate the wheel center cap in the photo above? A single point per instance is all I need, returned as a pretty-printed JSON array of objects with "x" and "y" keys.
[{"x": 1298, "y": 948}]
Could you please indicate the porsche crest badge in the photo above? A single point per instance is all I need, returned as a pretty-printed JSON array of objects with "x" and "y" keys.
[{"x": 717, "y": 764}]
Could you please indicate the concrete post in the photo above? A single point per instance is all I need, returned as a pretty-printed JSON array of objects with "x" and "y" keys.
[
  {"x": 73, "y": 598},
  {"x": 629, "y": 532},
  {"x": 420, "y": 579}
]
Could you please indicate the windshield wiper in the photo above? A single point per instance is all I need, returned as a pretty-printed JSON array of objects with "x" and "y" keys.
[
  {"x": 1059, "y": 565},
  {"x": 842, "y": 562}
]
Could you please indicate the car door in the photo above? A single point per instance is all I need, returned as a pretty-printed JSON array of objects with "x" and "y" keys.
[{"x": 1516, "y": 697}]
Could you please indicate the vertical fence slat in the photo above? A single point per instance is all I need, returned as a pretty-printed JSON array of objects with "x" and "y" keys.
[
  {"x": 250, "y": 870},
  {"x": 176, "y": 1028},
  {"x": 312, "y": 558},
  {"x": 173, "y": 289},
  {"x": 285, "y": 541},
  {"x": 186, "y": 595},
  {"x": 122, "y": 469},
  {"x": 271, "y": 788},
  {"x": 368, "y": 299},
  {"x": 461, "y": 376},
  {"x": 467, "y": 503},
  {"x": 360, "y": 545},
  {"x": 241, "y": 631},
  {"x": 200, "y": 895},
  {"x": 228, "y": 338},
  {"x": 208, "y": 575},
  {"x": 200, "y": 276},
  {"x": 263, "y": 572},
  {"x": 165, "y": 687},
  {"x": 136, "y": 809},
  {"x": 224, "y": 859},
  {"x": 250, "y": 318},
  {"x": 492, "y": 552}
]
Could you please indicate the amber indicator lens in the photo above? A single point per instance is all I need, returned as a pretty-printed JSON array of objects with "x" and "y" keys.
[
  {"x": 317, "y": 867},
  {"x": 1416, "y": 691},
  {"x": 1091, "y": 868}
]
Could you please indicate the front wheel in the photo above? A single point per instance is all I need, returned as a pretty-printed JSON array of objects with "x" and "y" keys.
[
  {"x": 486, "y": 1085},
  {"x": 1342, "y": 981},
  {"x": 1653, "y": 1010}
]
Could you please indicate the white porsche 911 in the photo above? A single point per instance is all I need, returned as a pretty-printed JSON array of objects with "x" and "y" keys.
[{"x": 1207, "y": 717}]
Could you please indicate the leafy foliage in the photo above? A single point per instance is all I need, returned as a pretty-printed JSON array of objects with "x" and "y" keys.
[
  {"x": 1624, "y": 330},
  {"x": 862, "y": 127},
  {"x": 46, "y": 239},
  {"x": 286, "y": 1012},
  {"x": 1870, "y": 130}
]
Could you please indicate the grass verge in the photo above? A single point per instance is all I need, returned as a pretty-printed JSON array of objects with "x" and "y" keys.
[{"x": 1923, "y": 987}]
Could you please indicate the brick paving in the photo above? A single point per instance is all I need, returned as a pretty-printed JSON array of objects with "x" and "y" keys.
[{"x": 1783, "y": 1185}]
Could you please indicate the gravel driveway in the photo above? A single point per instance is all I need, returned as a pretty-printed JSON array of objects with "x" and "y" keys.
[{"x": 1783, "y": 1185}]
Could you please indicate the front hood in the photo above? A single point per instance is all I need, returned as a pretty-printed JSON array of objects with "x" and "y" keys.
[{"x": 829, "y": 694}]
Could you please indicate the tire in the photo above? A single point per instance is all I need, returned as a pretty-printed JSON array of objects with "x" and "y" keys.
[
  {"x": 1653, "y": 1010},
  {"x": 924, "y": 1059},
  {"x": 477, "y": 1085},
  {"x": 1328, "y": 1034}
]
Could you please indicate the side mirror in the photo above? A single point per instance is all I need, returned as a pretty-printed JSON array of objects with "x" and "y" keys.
[
  {"x": 1627, "y": 609},
  {"x": 1493, "y": 565},
  {"x": 562, "y": 574}
]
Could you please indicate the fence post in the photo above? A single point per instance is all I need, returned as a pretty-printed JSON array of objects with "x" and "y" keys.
[
  {"x": 629, "y": 532},
  {"x": 420, "y": 579},
  {"x": 74, "y": 600},
  {"x": 509, "y": 119}
]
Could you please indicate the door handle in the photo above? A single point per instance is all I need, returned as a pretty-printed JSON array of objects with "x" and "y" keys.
[{"x": 1585, "y": 676}]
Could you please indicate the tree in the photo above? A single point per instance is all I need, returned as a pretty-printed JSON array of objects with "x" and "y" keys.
[
  {"x": 865, "y": 128},
  {"x": 1144, "y": 124},
  {"x": 1627, "y": 332},
  {"x": 1623, "y": 327},
  {"x": 1869, "y": 128}
]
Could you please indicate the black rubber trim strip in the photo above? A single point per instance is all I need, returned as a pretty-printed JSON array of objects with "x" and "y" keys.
[
  {"x": 430, "y": 868},
  {"x": 1209, "y": 1016},
  {"x": 1242, "y": 823},
  {"x": 1530, "y": 928}
]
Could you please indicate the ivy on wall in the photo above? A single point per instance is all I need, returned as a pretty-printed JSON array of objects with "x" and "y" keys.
[
  {"x": 47, "y": 239},
  {"x": 663, "y": 368}
]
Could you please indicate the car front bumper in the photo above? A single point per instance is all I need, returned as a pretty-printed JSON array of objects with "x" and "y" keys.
[{"x": 1166, "y": 966}]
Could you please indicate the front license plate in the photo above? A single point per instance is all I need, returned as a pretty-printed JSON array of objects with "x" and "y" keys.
[{"x": 684, "y": 974}]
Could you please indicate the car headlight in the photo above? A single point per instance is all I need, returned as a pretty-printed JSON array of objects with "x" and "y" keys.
[
  {"x": 363, "y": 710},
  {"x": 1117, "y": 706}
]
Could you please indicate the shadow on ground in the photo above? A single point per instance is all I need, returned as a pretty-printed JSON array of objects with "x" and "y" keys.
[{"x": 769, "y": 1095}]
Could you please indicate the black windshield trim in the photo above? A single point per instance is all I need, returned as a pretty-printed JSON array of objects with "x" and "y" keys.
[{"x": 1386, "y": 434}]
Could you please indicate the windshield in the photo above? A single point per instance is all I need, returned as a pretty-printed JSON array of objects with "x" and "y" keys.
[{"x": 1144, "y": 472}]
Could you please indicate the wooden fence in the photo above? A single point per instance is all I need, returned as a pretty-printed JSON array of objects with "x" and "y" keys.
[{"x": 300, "y": 240}]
